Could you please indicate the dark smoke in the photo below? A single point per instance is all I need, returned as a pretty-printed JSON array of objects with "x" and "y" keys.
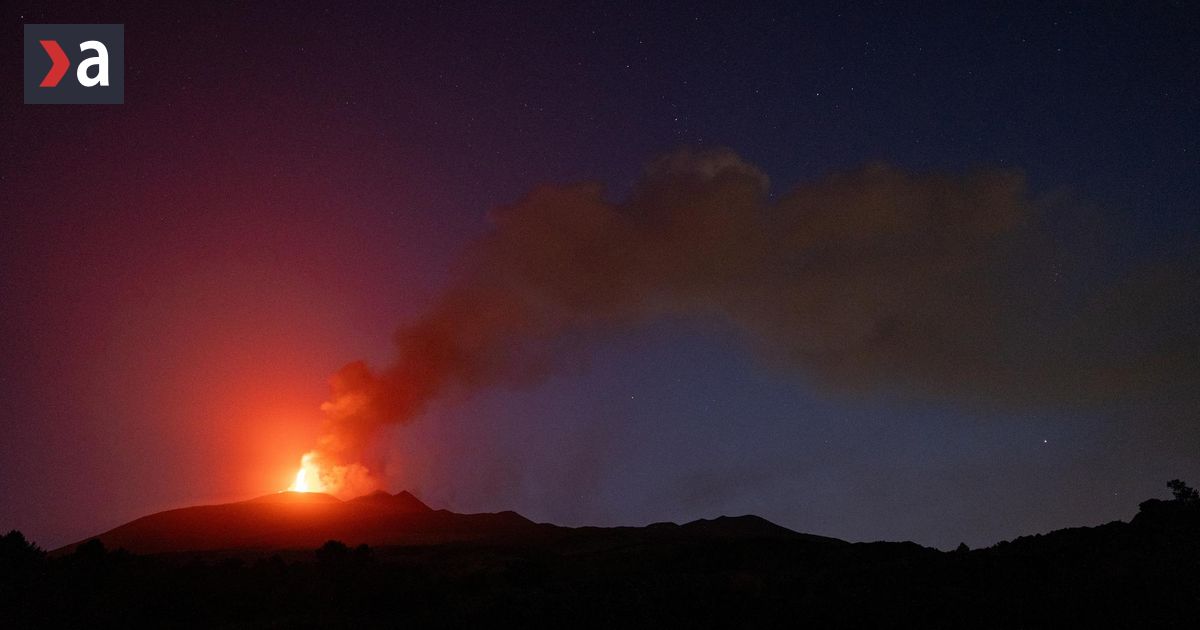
[{"x": 925, "y": 284}]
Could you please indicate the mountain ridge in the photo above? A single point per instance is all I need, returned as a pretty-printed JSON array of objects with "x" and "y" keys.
[
  {"x": 483, "y": 570},
  {"x": 304, "y": 520}
]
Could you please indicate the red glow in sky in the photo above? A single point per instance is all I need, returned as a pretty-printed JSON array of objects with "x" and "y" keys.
[{"x": 181, "y": 275}]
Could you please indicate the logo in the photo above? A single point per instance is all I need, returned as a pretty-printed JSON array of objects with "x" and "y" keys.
[{"x": 75, "y": 63}]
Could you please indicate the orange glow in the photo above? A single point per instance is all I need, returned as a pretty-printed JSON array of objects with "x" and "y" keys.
[
  {"x": 300, "y": 485},
  {"x": 308, "y": 478},
  {"x": 318, "y": 473}
]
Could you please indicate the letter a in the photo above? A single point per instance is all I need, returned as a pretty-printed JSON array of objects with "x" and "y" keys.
[{"x": 101, "y": 60}]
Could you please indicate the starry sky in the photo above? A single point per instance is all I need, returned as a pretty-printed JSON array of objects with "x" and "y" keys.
[{"x": 288, "y": 183}]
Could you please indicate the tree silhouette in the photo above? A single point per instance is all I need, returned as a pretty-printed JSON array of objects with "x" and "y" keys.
[
  {"x": 333, "y": 551},
  {"x": 1182, "y": 491},
  {"x": 16, "y": 551}
]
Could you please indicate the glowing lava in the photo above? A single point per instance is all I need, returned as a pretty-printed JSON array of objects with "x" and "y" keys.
[
  {"x": 300, "y": 485},
  {"x": 319, "y": 474},
  {"x": 308, "y": 478}
]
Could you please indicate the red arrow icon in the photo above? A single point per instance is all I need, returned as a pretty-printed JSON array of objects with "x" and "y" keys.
[{"x": 61, "y": 63}]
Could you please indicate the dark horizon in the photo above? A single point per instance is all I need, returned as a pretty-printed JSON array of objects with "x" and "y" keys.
[
  {"x": 871, "y": 273},
  {"x": 407, "y": 563},
  {"x": 204, "y": 532}
]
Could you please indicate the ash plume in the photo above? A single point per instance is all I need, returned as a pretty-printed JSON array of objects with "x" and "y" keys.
[{"x": 878, "y": 279}]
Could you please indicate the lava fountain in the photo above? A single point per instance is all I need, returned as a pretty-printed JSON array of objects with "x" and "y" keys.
[{"x": 308, "y": 478}]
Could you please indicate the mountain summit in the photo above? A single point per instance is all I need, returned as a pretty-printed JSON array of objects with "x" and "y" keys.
[{"x": 304, "y": 520}]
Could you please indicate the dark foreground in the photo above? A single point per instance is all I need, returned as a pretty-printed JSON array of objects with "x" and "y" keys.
[{"x": 724, "y": 573}]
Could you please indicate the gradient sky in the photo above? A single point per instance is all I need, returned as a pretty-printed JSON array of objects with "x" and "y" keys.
[{"x": 288, "y": 183}]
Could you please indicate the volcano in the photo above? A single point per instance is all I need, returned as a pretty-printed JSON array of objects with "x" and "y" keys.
[{"x": 306, "y": 520}]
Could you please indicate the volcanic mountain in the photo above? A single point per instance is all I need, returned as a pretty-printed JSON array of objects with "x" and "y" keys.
[{"x": 306, "y": 520}]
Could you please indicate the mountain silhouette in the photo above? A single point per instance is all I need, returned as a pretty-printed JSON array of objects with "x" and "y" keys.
[
  {"x": 381, "y": 560},
  {"x": 304, "y": 520}
]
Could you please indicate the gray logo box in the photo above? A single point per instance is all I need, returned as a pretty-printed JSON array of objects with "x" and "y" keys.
[{"x": 69, "y": 90}]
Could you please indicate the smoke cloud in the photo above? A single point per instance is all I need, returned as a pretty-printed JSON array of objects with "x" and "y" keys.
[{"x": 877, "y": 279}]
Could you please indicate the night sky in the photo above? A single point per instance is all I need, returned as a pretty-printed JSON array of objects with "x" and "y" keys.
[{"x": 288, "y": 184}]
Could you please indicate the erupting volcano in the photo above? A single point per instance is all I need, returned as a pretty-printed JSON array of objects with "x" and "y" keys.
[
  {"x": 308, "y": 478},
  {"x": 345, "y": 481},
  {"x": 886, "y": 271},
  {"x": 304, "y": 520}
]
